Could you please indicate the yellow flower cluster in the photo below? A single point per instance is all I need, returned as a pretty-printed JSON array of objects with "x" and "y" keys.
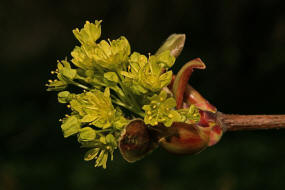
[{"x": 111, "y": 55}]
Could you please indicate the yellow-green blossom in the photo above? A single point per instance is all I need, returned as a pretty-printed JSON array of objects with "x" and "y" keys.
[
  {"x": 147, "y": 74},
  {"x": 90, "y": 33},
  {"x": 112, "y": 55},
  {"x": 65, "y": 76},
  {"x": 81, "y": 56},
  {"x": 95, "y": 107},
  {"x": 190, "y": 115},
  {"x": 101, "y": 154},
  {"x": 161, "y": 110}
]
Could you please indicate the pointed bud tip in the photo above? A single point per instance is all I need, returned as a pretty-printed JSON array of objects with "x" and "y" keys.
[{"x": 174, "y": 43}]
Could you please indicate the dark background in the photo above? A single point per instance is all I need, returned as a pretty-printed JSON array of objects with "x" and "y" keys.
[{"x": 242, "y": 43}]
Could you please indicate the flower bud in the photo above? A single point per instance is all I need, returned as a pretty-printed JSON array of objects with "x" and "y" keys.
[{"x": 174, "y": 43}]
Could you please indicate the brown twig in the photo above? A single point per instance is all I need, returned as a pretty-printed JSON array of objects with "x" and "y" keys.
[{"x": 232, "y": 122}]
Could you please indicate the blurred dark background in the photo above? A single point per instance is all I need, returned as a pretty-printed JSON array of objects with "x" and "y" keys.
[{"x": 242, "y": 43}]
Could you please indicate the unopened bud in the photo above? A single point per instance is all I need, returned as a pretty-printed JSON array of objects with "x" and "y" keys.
[{"x": 174, "y": 43}]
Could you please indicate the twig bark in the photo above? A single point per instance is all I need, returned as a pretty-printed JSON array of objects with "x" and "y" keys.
[{"x": 232, "y": 122}]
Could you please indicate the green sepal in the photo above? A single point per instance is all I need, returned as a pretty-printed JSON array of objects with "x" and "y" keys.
[
  {"x": 102, "y": 159},
  {"x": 102, "y": 139},
  {"x": 111, "y": 140},
  {"x": 63, "y": 97},
  {"x": 86, "y": 134},
  {"x": 91, "y": 154},
  {"x": 57, "y": 85},
  {"x": 165, "y": 79},
  {"x": 69, "y": 73},
  {"x": 111, "y": 76},
  {"x": 88, "y": 118},
  {"x": 70, "y": 126}
]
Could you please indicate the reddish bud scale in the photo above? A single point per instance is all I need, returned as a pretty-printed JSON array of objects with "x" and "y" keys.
[
  {"x": 136, "y": 141},
  {"x": 182, "y": 78},
  {"x": 210, "y": 124},
  {"x": 206, "y": 118},
  {"x": 192, "y": 96},
  {"x": 185, "y": 139},
  {"x": 215, "y": 135},
  {"x": 189, "y": 95}
]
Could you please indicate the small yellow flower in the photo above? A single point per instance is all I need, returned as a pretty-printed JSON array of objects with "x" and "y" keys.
[
  {"x": 90, "y": 33},
  {"x": 112, "y": 55},
  {"x": 147, "y": 73},
  {"x": 161, "y": 110},
  {"x": 95, "y": 107}
]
